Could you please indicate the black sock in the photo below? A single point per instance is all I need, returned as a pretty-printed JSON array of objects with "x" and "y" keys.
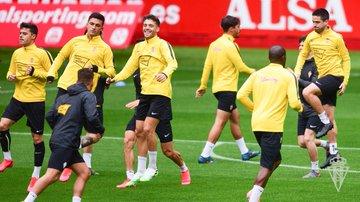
[
  {"x": 5, "y": 140},
  {"x": 39, "y": 154}
]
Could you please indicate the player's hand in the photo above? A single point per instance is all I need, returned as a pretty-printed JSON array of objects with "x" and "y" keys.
[
  {"x": 30, "y": 70},
  {"x": 132, "y": 104},
  {"x": 160, "y": 77},
  {"x": 109, "y": 81},
  {"x": 200, "y": 92},
  {"x": 342, "y": 89},
  {"x": 50, "y": 79},
  {"x": 11, "y": 77}
]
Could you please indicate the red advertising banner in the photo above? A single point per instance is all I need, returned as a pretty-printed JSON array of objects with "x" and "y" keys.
[
  {"x": 58, "y": 23},
  {"x": 263, "y": 22}
]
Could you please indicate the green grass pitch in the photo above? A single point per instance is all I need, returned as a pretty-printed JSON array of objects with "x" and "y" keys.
[{"x": 227, "y": 179}]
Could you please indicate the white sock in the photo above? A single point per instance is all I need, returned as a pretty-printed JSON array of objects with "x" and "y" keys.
[
  {"x": 129, "y": 174},
  {"x": 87, "y": 159},
  {"x": 324, "y": 118},
  {"x": 242, "y": 146},
  {"x": 333, "y": 148},
  {"x": 183, "y": 168},
  {"x": 76, "y": 199},
  {"x": 30, "y": 197},
  {"x": 323, "y": 143},
  {"x": 315, "y": 165},
  {"x": 141, "y": 167},
  {"x": 7, "y": 155},
  {"x": 209, "y": 146},
  {"x": 36, "y": 172},
  {"x": 256, "y": 193},
  {"x": 152, "y": 159}
]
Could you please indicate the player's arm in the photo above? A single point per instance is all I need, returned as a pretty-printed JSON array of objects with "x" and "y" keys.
[
  {"x": 171, "y": 63},
  {"x": 108, "y": 70},
  {"x": 51, "y": 116},
  {"x": 41, "y": 73},
  {"x": 243, "y": 94},
  {"x": 292, "y": 94},
  {"x": 346, "y": 65},
  {"x": 205, "y": 74},
  {"x": 60, "y": 58},
  {"x": 234, "y": 55},
  {"x": 133, "y": 104},
  {"x": 92, "y": 115},
  {"x": 302, "y": 57},
  {"x": 130, "y": 67},
  {"x": 11, "y": 74}
]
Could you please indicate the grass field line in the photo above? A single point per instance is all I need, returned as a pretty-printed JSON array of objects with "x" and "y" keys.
[
  {"x": 214, "y": 155},
  {"x": 223, "y": 143}
]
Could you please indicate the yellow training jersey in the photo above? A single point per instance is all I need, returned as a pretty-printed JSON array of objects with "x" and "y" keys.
[
  {"x": 83, "y": 52},
  {"x": 152, "y": 56},
  {"x": 30, "y": 88},
  {"x": 224, "y": 59},
  {"x": 330, "y": 54},
  {"x": 272, "y": 88}
]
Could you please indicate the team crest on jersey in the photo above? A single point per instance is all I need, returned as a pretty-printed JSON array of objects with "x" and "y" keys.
[
  {"x": 94, "y": 49},
  {"x": 62, "y": 109},
  {"x": 153, "y": 49}
]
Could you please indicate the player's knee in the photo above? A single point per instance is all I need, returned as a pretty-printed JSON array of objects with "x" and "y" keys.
[
  {"x": 85, "y": 175},
  {"x": 148, "y": 130},
  {"x": 3, "y": 126},
  {"x": 37, "y": 139},
  {"x": 301, "y": 143},
  {"x": 129, "y": 142}
]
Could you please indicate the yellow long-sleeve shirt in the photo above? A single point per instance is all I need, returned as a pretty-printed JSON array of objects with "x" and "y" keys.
[
  {"x": 30, "y": 88},
  {"x": 330, "y": 54},
  {"x": 83, "y": 52},
  {"x": 152, "y": 56},
  {"x": 272, "y": 88},
  {"x": 224, "y": 59}
]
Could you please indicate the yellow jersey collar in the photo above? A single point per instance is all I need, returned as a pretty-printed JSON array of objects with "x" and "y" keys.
[
  {"x": 95, "y": 38},
  {"x": 325, "y": 32},
  {"x": 275, "y": 65},
  {"x": 228, "y": 36},
  {"x": 152, "y": 40},
  {"x": 30, "y": 47}
]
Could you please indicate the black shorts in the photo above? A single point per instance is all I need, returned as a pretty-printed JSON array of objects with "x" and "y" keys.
[
  {"x": 34, "y": 111},
  {"x": 329, "y": 86},
  {"x": 88, "y": 127},
  {"x": 313, "y": 123},
  {"x": 270, "y": 143},
  {"x": 226, "y": 100},
  {"x": 62, "y": 157},
  {"x": 163, "y": 129},
  {"x": 156, "y": 106}
]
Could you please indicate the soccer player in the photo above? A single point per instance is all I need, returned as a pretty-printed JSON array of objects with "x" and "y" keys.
[
  {"x": 86, "y": 51},
  {"x": 333, "y": 62},
  {"x": 224, "y": 60},
  {"x": 67, "y": 117},
  {"x": 272, "y": 88},
  {"x": 28, "y": 69},
  {"x": 156, "y": 60},
  {"x": 308, "y": 121}
]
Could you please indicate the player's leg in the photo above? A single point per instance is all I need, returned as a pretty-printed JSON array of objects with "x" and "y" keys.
[
  {"x": 309, "y": 139},
  {"x": 13, "y": 112},
  {"x": 150, "y": 124},
  {"x": 83, "y": 174},
  {"x": 246, "y": 154},
  {"x": 35, "y": 113}
]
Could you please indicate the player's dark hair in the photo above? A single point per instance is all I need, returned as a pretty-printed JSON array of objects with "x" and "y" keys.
[
  {"x": 229, "y": 21},
  {"x": 85, "y": 76},
  {"x": 277, "y": 54},
  {"x": 322, "y": 13},
  {"x": 33, "y": 28},
  {"x": 98, "y": 16},
  {"x": 153, "y": 18},
  {"x": 302, "y": 38}
]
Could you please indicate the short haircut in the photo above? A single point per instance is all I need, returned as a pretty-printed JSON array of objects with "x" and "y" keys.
[
  {"x": 33, "y": 28},
  {"x": 153, "y": 18},
  {"x": 302, "y": 38},
  {"x": 322, "y": 13},
  {"x": 229, "y": 21},
  {"x": 98, "y": 16},
  {"x": 85, "y": 76}
]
